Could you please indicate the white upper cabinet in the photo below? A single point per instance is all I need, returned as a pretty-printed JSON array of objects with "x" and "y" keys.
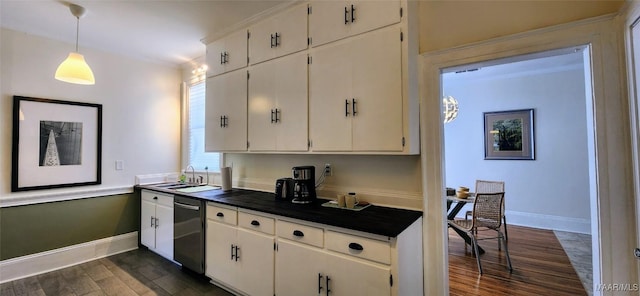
[
  {"x": 356, "y": 94},
  {"x": 227, "y": 54},
  {"x": 353, "y": 90},
  {"x": 282, "y": 34},
  {"x": 226, "y": 112},
  {"x": 334, "y": 20},
  {"x": 278, "y": 105}
]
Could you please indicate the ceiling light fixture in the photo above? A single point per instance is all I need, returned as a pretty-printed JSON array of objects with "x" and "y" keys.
[
  {"x": 74, "y": 69},
  {"x": 450, "y": 108}
]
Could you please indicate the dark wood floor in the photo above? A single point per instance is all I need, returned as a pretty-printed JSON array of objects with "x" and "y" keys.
[
  {"x": 540, "y": 266},
  {"x": 138, "y": 272}
]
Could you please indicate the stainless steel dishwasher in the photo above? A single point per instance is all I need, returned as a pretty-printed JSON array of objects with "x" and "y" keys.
[{"x": 188, "y": 233}]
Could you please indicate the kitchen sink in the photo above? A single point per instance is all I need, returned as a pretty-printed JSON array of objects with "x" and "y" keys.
[
  {"x": 176, "y": 185},
  {"x": 185, "y": 187}
]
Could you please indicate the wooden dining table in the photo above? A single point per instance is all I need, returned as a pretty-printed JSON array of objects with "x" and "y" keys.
[{"x": 452, "y": 212}]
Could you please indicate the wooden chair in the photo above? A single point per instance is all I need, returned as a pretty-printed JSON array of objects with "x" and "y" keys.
[
  {"x": 488, "y": 210},
  {"x": 483, "y": 186}
]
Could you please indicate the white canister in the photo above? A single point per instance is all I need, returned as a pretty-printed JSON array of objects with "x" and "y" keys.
[{"x": 226, "y": 173}]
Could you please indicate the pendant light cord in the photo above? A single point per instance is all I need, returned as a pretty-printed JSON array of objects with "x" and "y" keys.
[{"x": 77, "y": 32}]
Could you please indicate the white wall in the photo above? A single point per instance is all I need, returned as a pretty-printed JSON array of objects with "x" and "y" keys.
[
  {"x": 551, "y": 191},
  {"x": 140, "y": 101},
  {"x": 393, "y": 180}
]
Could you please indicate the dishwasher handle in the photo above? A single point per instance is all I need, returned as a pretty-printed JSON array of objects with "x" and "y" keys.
[{"x": 185, "y": 206}]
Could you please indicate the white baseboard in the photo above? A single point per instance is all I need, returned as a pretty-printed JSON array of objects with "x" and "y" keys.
[
  {"x": 542, "y": 221},
  {"x": 549, "y": 222},
  {"x": 34, "y": 264}
]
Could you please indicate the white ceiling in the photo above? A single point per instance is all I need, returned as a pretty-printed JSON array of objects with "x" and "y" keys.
[{"x": 166, "y": 31}]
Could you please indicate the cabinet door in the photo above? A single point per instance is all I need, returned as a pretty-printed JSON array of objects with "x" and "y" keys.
[
  {"x": 256, "y": 263},
  {"x": 368, "y": 15},
  {"x": 291, "y": 27},
  {"x": 226, "y": 97},
  {"x": 328, "y": 21},
  {"x": 280, "y": 35},
  {"x": 292, "y": 103},
  {"x": 330, "y": 97},
  {"x": 262, "y": 41},
  {"x": 262, "y": 107},
  {"x": 299, "y": 270},
  {"x": 236, "y": 49},
  {"x": 220, "y": 240},
  {"x": 215, "y": 62},
  {"x": 164, "y": 231},
  {"x": 147, "y": 224},
  {"x": 278, "y": 105},
  {"x": 377, "y": 90},
  {"x": 354, "y": 277}
]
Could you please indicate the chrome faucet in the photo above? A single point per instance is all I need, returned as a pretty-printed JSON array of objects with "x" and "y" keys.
[{"x": 193, "y": 173}]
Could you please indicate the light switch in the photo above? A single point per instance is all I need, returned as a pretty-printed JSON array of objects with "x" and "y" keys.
[{"x": 119, "y": 165}]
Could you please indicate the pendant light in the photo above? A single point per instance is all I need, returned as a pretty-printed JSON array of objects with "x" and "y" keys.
[{"x": 74, "y": 69}]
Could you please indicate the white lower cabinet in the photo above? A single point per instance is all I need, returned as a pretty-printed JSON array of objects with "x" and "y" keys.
[
  {"x": 240, "y": 259},
  {"x": 309, "y": 258},
  {"x": 156, "y": 222},
  {"x": 306, "y": 270}
]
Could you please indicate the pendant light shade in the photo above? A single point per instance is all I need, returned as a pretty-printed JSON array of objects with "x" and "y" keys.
[{"x": 75, "y": 69}]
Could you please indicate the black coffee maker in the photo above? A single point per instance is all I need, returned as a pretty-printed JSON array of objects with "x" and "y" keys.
[{"x": 304, "y": 184}]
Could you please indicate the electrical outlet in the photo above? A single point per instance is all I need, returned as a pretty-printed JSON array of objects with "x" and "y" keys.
[{"x": 327, "y": 170}]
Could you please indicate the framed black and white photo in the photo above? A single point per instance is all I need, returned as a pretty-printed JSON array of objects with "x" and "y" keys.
[
  {"x": 55, "y": 144},
  {"x": 509, "y": 135}
]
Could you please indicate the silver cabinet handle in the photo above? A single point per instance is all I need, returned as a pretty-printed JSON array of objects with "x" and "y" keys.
[{"x": 152, "y": 221}]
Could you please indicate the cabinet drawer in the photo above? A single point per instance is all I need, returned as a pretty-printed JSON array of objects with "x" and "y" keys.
[
  {"x": 300, "y": 233},
  {"x": 157, "y": 197},
  {"x": 224, "y": 215},
  {"x": 257, "y": 223},
  {"x": 375, "y": 250}
]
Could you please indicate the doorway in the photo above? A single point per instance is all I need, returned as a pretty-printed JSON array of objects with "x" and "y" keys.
[
  {"x": 552, "y": 190},
  {"x": 612, "y": 218}
]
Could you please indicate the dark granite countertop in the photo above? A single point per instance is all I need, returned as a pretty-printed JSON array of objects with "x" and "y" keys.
[{"x": 378, "y": 220}]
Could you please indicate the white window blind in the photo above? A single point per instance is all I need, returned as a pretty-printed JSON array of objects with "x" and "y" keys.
[{"x": 198, "y": 158}]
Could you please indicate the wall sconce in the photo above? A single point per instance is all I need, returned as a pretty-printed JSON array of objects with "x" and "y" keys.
[
  {"x": 449, "y": 108},
  {"x": 199, "y": 74}
]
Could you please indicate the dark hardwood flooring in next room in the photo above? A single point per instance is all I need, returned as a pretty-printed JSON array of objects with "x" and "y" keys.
[
  {"x": 137, "y": 272},
  {"x": 540, "y": 266}
]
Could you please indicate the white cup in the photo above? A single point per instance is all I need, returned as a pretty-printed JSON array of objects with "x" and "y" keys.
[
  {"x": 351, "y": 200},
  {"x": 341, "y": 200}
]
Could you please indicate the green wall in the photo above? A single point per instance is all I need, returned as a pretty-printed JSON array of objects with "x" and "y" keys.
[{"x": 37, "y": 228}]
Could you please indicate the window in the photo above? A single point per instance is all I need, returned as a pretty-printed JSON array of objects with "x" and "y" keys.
[{"x": 197, "y": 157}]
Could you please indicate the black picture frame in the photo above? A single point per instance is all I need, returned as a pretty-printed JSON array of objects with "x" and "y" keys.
[
  {"x": 509, "y": 135},
  {"x": 55, "y": 144}
]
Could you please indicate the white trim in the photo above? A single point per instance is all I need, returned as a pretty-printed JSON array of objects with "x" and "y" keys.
[
  {"x": 542, "y": 221},
  {"x": 550, "y": 222},
  {"x": 34, "y": 264},
  {"x": 30, "y": 198},
  {"x": 612, "y": 219},
  {"x": 631, "y": 18}
]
